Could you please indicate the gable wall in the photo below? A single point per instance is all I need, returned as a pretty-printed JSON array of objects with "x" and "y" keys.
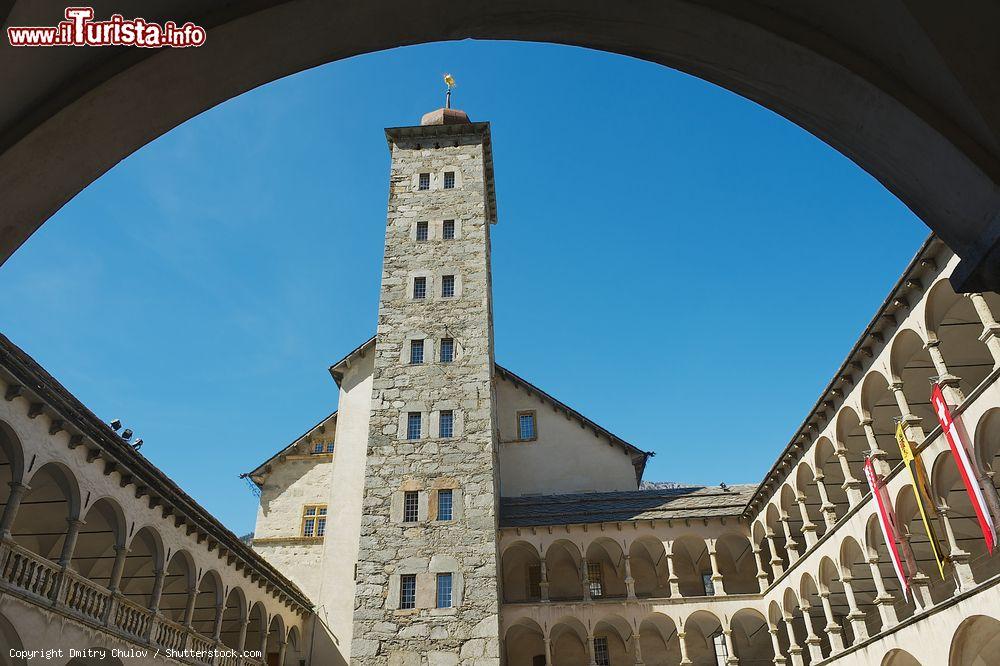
[{"x": 565, "y": 458}]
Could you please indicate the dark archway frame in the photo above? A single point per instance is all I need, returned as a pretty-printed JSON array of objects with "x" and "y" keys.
[{"x": 906, "y": 92}]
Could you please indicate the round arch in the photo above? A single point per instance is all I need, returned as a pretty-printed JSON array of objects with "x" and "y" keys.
[
  {"x": 976, "y": 642},
  {"x": 899, "y": 657}
]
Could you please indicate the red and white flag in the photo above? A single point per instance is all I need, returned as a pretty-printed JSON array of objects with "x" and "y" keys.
[
  {"x": 887, "y": 521},
  {"x": 965, "y": 467}
]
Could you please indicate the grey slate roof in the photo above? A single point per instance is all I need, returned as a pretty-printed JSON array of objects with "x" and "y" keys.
[{"x": 690, "y": 502}]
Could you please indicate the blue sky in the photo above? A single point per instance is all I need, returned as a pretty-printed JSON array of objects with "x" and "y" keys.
[{"x": 681, "y": 265}]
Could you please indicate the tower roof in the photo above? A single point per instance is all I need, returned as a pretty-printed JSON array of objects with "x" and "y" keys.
[{"x": 445, "y": 116}]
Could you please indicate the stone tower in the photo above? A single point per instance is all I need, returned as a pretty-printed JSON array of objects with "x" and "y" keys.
[{"x": 429, "y": 520}]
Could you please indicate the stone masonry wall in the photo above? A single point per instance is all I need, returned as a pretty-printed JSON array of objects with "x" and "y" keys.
[{"x": 466, "y": 634}]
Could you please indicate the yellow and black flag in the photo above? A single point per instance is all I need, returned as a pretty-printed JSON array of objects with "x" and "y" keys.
[{"x": 921, "y": 492}]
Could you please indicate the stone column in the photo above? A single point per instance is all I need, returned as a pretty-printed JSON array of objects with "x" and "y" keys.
[
  {"x": 777, "y": 566},
  {"x": 730, "y": 650},
  {"x": 920, "y": 588},
  {"x": 17, "y": 493},
  {"x": 911, "y": 422},
  {"x": 832, "y": 628},
  {"x": 629, "y": 580},
  {"x": 590, "y": 649},
  {"x": 154, "y": 598},
  {"x": 779, "y": 659},
  {"x": 812, "y": 640},
  {"x": 808, "y": 526},
  {"x": 827, "y": 507},
  {"x": 950, "y": 384},
  {"x": 548, "y": 651},
  {"x": 69, "y": 543},
  {"x": 791, "y": 546},
  {"x": 958, "y": 557},
  {"x": 681, "y": 636},
  {"x": 794, "y": 650},
  {"x": 718, "y": 587},
  {"x": 585, "y": 579},
  {"x": 856, "y": 617},
  {"x": 672, "y": 579},
  {"x": 189, "y": 608},
  {"x": 242, "y": 640},
  {"x": 991, "y": 329},
  {"x": 851, "y": 485},
  {"x": 877, "y": 454},
  {"x": 282, "y": 646},
  {"x": 761, "y": 574},
  {"x": 217, "y": 631},
  {"x": 637, "y": 648},
  {"x": 543, "y": 583},
  {"x": 883, "y": 600}
]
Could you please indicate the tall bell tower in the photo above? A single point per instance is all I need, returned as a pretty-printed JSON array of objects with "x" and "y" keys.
[{"x": 427, "y": 590}]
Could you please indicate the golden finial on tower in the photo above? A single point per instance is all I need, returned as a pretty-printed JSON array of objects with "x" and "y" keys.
[{"x": 449, "y": 81}]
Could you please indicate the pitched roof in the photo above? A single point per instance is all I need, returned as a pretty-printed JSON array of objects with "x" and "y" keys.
[
  {"x": 262, "y": 468},
  {"x": 691, "y": 502}
]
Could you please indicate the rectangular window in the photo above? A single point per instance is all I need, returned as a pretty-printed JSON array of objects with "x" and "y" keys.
[
  {"x": 447, "y": 350},
  {"x": 425, "y": 182},
  {"x": 329, "y": 447},
  {"x": 706, "y": 582},
  {"x": 447, "y": 286},
  {"x": 421, "y": 231},
  {"x": 445, "y": 504},
  {"x": 411, "y": 506},
  {"x": 526, "y": 426},
  {"x": 416, "y": 351},
  {"x": 444, "y": 590},
  {"x": 602, "y": 657},
  {"x": 448, "y": 230},
  {"x": 595, "y": 579},
  {"x": 408, "y": 591},
  {"x": 318, "y": 448},
  {"x": 449, "y": 180},
  {"x": 413, "y": 425},
  {"x": 313, "y": 520},
  {"x": 534, "y": 581},
  {"x": 420, "y": 287},
  {"x": 446, "y": 423}
]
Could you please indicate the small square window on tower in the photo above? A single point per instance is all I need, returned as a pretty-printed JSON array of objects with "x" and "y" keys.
[
  {"x": 422, "y": 231},
  {"x": 408, "y": 591},
  {"x": 447, "y": 286},
  {"x": 424, "y": 182},
  {"x": 526, "y": 426},
  {"x": 446, "y": 504},
  {"x": 446, "y": 423},
  {"x": 420, "y": 287},
  {"x": 416, "y": 351},
  {"x": 411, "y": 506},
  {"x": 447, "y": 350},
  {"x": 444, "y": 590},
  {"x": 449, "y": 180},
  {"x": 413, "y": 425},
  {"x": 448, "y": 230}
]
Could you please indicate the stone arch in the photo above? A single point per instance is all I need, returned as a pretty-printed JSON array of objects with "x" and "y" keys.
[
  {"x": 911, "y": 364},
  {"x": 976, "y": 642},
  {"x": 876, "y": 547},
  {"x": 776, "y": 533},
  {"x": 794, "y": 622},
  {"x": 142, "y": 564},
  {"x": 805, "y": 485},
  {"x": 829, "y": 581},
  {"x": 911, "y": 528},
  {"x": 828, "y": 466},
  {"x": 568, "y": 639},
  {"x": 792, "y": 517},
  {"x": 179, "y": 584},
  {"x": 618, "y": 634},
  {"x": 879, "y": 404},
  {"x": 955, "y": 507},
  {"x": 952, "y": 323},
  {"x": 659, "y": 641},
  {"x": 9, "y": 640},
  {"x": 42, "y": 520},
  {"x": 813, "y": 614},
  {"x": 101, "y": 536},
  {"x": 761, "y": 543},
  {"x": 691, "y": 564},
  {"x": 524, "y": 641},
  {"x": 751, "y": 640},
  {"x": 234, "y": 615},
  {"x": 986, "y": 445},
  {"x": 12, "y": 451},
  {"x": 734, "y": 554},
  {"x": 703, "y": 636},
  {"x": 256, "y": 635},
  {"x": 606, "y": 568},
  {"x": 562, "y": 565},
  {"x": 899, "y": 657},
  {"x": 276, "y": 634},
  {"x": 648, "y": 563},
  {"x": 855, "y": 572},
  {"x": 293, "y": 650},
  {"x": 776, "y": 625},
  {"x": 208, "y": 604},
  {"x": 521, "y": 572}
]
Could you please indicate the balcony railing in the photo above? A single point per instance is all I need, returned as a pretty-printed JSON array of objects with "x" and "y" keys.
[{"x": 44, "y": 583}]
